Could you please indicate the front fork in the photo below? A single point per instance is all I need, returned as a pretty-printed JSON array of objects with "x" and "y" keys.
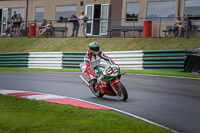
[{"x": 112, "y": 83}]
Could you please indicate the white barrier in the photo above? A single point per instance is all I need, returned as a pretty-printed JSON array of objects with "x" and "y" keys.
[
  {"x": 53, "y": 60},
  {"x": 49, "y": 60},
  {"x": 127, "y": 59}
]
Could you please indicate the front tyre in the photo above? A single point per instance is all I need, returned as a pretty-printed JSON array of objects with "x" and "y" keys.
[
  {"x": 96, "y": 92},
  {"x": 121, "y": 91}
]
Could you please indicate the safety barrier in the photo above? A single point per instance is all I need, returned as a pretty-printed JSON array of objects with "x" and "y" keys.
[
  {"x": 71, "y": 60},
  {"x": 164, "y": 59},
  {"x": 49, "y": 60},
  {"x": 137, "y": 60},
  {"x": 127, "y": 59},
  {"x": 14, "y": 59}
]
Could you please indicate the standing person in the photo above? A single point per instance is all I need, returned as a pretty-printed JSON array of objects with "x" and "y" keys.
[
  {"x": 75, "y": 28},
  {"x": 83, "y": 22},
  {"x": 22, "y": 28},
  {"x": 19, "y": 21},
  {"x": 187, "y": 22},
  {"x": 13, "y": 19}
]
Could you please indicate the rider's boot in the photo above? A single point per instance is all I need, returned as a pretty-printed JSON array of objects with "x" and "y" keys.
[{"x": 93, "y": 84}]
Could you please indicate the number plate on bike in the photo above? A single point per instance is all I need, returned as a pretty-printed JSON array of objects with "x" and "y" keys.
[{"x": 111, "y": 70}]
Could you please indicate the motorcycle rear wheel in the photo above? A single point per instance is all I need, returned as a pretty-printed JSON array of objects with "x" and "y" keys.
[
  {"x": 97, "y": 92},
  {"x": 121, "y": 92}
]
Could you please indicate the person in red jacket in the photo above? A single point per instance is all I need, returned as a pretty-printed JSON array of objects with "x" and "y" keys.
[{"x": 92, "y": 59}]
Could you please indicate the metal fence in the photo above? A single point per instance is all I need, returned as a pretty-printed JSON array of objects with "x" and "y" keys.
[{"x": 112, "y": 27}]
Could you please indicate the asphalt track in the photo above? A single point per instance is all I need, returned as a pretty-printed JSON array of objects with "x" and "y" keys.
[{"x": 171, "y": 102}]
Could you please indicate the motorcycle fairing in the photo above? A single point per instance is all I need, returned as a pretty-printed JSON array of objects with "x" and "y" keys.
[
  {"x": 105, "y": 88},
  {"x": 114, "y": 82}
]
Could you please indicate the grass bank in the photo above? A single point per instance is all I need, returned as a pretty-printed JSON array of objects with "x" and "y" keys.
[
  {"x": 151, "y": 72},
  {"x": 9, "y": 45},
  {"x": 20, "y": 115}
]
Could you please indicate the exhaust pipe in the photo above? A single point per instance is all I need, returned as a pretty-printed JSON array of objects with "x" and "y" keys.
[{"x": 84, "y": 80}]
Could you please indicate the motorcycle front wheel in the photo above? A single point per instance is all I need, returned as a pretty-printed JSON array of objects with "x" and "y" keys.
[
  {"x": 96, "y": 92},
  {"x": 121, "y": 92}
]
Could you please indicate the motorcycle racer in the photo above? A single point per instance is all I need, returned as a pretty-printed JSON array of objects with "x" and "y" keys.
[{"x": 92, "y": 59}]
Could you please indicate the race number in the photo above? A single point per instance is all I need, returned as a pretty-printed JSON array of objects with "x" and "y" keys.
[{"x": 111, "y": 70}]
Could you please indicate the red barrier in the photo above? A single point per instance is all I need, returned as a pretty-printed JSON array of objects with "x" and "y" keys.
[{"x": 147, "y": 29}]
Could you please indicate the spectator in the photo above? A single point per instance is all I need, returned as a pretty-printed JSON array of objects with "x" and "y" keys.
[
  {"x": 22, "y": 28},
  {"x": 42, "y": 26},
  {"x": 83, "y": 22},
  {"x": 48, "y": 27},
  {"x": 19, "y": 21},
  {"x": 9, "y": 30},
  {"x": 75, "y": 28},
  {"x": 13, "y": 20},
  {"x": 61, "y": 19},
  {"x": 177, "y": 26},
  {"x": 187, "y": 22}
]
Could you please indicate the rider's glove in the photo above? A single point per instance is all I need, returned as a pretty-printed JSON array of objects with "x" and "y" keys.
[{"x": 96, "y": 76}]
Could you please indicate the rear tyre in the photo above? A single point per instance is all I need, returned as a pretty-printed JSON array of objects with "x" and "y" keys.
[{"x": 121, "y": 92}]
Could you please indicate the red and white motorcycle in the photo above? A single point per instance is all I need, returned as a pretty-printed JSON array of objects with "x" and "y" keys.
[{"x": 108, "y": 82}]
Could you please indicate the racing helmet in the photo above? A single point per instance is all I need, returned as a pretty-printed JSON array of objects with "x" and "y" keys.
[{"x": 94, "y": 47}]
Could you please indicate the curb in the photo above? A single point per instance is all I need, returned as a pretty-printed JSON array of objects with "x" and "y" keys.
[{"x": 51, "y": 98}]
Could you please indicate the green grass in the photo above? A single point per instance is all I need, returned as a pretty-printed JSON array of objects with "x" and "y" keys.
[
  {"x": 164, "y": 73},
  {"x": 151, "y": 72},
  {"x": 9, "y": 45},
  {"x": 18, "y": 115}
]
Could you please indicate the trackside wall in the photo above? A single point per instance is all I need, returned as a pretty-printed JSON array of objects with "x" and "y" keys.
[{"x": 137, "y": 60}]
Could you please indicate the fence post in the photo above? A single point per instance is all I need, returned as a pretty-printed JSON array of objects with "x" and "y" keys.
[
  {"x": 65, "y": 29},
  {"x": 27, "y": 29},
  {"x": 46, "y": 31},
  {"x": 159, "y": 27},
  {"x": 187, "y": 29},
  {"x": 133, "y": 28},
  {"x": 109, "y": 27},
  {"x": 86, "y": 29}
]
